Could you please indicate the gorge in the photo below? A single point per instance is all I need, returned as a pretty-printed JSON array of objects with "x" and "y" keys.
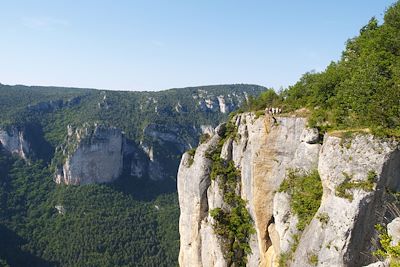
[{"x": 219, "y": 175}]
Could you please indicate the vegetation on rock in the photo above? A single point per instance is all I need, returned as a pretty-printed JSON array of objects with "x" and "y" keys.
[
  {"x": 286, "y": 257},
  {"x": 191, "y": 153},
  {"x": 313, "y": 259},
  {"x": 204, "y": 138},
  {"x": 305, "y": 191},
  {"x": 233, "y": 223},
  {"x": 387, "y": 250},
  {"x": 344, "y": 189}
]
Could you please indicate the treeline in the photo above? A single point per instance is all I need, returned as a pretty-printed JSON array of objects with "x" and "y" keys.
[{"x": 361, "y": 90}]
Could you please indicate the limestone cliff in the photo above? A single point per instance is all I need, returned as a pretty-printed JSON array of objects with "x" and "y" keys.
[
  {"x": 14, "y": 141},
  {"x": 91, "y": 155},
  {"x": 264, "y": 150}
]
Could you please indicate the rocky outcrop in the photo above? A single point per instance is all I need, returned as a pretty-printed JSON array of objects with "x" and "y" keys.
[
  {"x": 264, "y": 150},
  {"x": 53, "y": 105},
  {"x": 350, "y": 226},
  {"x": 264, "y": 153},
  {"x": 14, "y": 141},
  {"x": 91, "y": 155},
  {"x": 193, "y": 183},
  {"x": 221, "y": 103},
  {"x": 393, "y": 229},
  {"x": 98, "y": 154}
]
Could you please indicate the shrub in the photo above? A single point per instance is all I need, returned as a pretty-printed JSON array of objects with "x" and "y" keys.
[
  {"x": 313, "y": 259},
  {"x": 387, "y": 250},
  {"x": 323, "y": 217},
  {"x": 306, "y": 193},
  {"x": 342, "y": 190},
  {"x": 204, "y": 138},
  {"x": 191, "y": 153}
]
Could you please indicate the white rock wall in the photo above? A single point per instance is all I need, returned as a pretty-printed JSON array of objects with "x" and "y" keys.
[
  {"x": 265, "y": 149},
  {"x": 96, "y": 159},
  {"x": 13, "y": 141},
  {"x": 351, "y": 222}
]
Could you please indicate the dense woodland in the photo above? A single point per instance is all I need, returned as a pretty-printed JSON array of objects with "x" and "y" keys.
[
  {"x": 361, "y": 90},
  {"x": 98, "y": 225}
]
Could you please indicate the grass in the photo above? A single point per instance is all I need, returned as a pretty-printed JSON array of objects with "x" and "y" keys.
[
  {"x": 259, "y": 113},
  {"x": 343, "y": 190},
  {"x": 346, "y": 133}
]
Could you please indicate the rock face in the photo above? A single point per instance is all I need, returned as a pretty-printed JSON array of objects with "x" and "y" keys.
[
  {"x": 193, "y": 182},
  {"x": 213, "y": 103},
  {"x": 93, "y": 155},
  {"x": 50, "y": 106},
  {"x": 13, "y": 140},
  {"x": 393, "y": 229},
  {"x": 264, "y": 150},
  {"x": 349, "y": 229}
]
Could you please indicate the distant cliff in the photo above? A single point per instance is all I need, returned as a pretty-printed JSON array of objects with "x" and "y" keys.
[
  {"x": 156, "y": 128},
  {"x": 332, "y": 224},
  {"x": 91, "y": 155},
  {"x": 14, "y": 141}
]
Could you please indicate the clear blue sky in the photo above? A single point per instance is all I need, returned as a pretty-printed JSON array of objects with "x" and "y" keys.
[{"x": 154, "y": 44}]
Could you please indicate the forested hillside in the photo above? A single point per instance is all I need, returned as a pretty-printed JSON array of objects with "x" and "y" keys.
[
  {"x": 130, "y": 222},
  {"x": 54, "y": 108},
  {"x": 361, "y": 90},
  {"x": 96, "y": 225}
]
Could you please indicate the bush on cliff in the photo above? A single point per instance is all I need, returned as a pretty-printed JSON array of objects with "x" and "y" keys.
[{"x": 305, "y": 191}]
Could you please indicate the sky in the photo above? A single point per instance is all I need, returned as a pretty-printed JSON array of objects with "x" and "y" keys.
[{"x": 159, "y": 44}]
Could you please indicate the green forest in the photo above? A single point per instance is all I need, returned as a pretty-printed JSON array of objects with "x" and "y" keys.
[
  {"x": 361, "y": 90},
  {"x": 98, "y": 225}
]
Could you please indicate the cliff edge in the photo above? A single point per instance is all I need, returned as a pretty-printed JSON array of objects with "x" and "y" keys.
[{"x": 353, "y": 177}]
